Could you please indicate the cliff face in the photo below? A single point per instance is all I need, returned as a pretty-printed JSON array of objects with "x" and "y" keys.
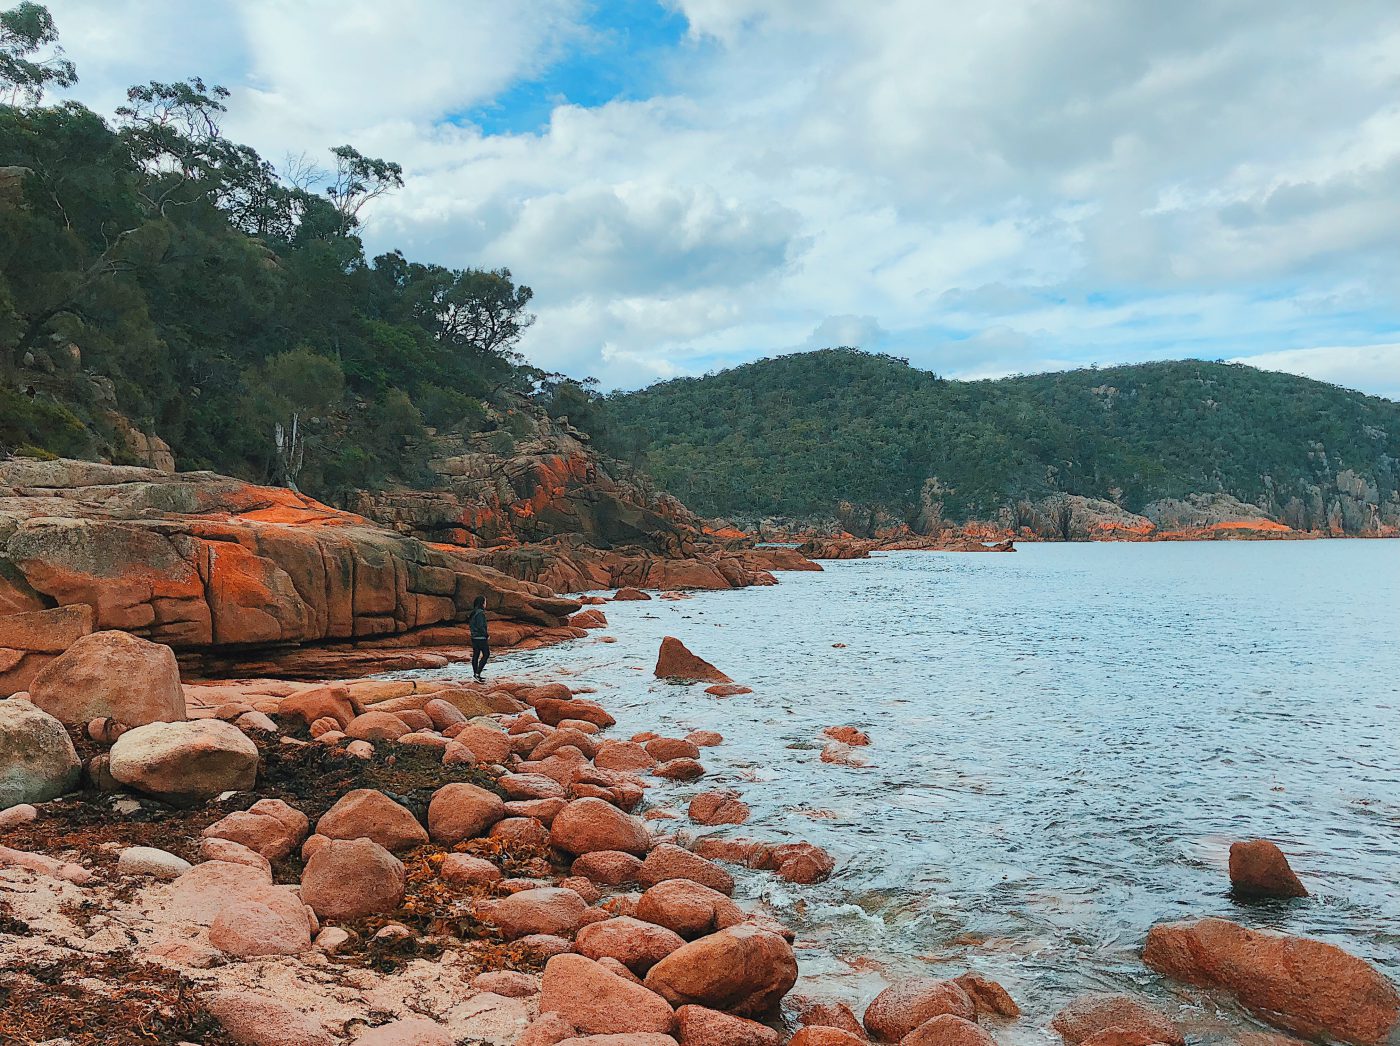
[
  {"x": 531, "y": 479},
  {"x": 534, "y": 500},
  {"x": 216, "y": 567}
]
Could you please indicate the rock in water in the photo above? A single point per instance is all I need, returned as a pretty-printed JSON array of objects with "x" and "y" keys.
[
  {"x": 1306, "y": 986},
  {"x": 112, "y": 674},
  {"x": 744, "y": 970},
  {"x": 185, "y": 763},
  {"x": 37, "y": 758},
  {"x": 948, "y": 1030},
  {"x": 1259, "y": 869},
  {"x": 901, "y": 1008},
  {"x": 1121, "y": 1018},
  {"x": 676, "y": 662}
]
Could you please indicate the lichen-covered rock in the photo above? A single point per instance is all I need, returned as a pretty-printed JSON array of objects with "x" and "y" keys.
[{"x": 37, "y": 758}]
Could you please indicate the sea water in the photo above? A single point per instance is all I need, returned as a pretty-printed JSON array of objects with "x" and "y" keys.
[{"x": 1065, "y": 741}]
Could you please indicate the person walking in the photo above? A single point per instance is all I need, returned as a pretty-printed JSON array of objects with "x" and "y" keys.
[{"x": 481, "y": 638}]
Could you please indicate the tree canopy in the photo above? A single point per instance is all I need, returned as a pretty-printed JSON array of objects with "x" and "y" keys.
[{"x": 152, "y": 268}]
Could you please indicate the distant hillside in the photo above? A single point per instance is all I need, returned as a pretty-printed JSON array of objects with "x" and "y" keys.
[{"x": 801, "y": 434}]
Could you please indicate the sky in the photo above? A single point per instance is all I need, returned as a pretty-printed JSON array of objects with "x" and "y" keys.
[{"x": 984, "y": 189}]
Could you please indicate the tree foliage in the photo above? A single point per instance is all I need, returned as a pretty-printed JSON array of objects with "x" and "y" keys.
[
  {"x": 25, "y": 30},
  {"x": 154, "y": 267}
]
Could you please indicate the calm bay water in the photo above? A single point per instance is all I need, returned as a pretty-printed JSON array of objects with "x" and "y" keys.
[{"x": 1065, "y": 742}]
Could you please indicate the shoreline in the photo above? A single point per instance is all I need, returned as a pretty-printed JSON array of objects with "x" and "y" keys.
[{"x": 406, "y": 946}]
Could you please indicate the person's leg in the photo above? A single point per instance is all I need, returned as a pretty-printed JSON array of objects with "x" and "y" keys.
[
  {"x": 485, "y": 657},
  {"x": 478, "y": 658}
]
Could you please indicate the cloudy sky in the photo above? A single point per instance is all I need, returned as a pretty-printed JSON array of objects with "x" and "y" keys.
[{"x": 983, "y": 188}]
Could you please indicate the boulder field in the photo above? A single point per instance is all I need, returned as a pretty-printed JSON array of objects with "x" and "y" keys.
[
  {"x": 276, "y": 861},
  {"x": 423, "y": 861}
]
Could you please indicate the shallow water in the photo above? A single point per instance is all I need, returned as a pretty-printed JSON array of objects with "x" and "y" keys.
[{"x": 1065, "y": 742}]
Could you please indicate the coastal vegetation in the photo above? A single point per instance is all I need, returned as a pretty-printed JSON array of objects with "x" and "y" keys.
[
  {"x": 799, "y": 434},
  {"x": 155, "y": 273}
]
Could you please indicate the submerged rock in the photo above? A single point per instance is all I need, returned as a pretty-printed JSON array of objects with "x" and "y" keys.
[
  {"x": 820, "y": 1035},
  {"x": 1306, "y": 986},
  {"x": 1114, "y": 1018}
]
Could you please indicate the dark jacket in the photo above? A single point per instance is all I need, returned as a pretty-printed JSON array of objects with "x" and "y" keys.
[{"x": 477, "y": 623}]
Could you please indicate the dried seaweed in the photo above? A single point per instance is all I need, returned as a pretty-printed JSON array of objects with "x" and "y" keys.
[
  {"x": 440, "y": 914},
  {"x": 103, "y": 1001}
]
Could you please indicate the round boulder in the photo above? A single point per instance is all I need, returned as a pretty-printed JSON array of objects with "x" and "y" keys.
[
  {"x": 365, "y": 813},
  {"x": 901, "y": 1008},
  {"x": 744, "y": 970},
  {"x": 462, "y": 811},
  {"x": 350, "y": 878},
  {"x": 37, "y": 758},
  {"x": 113, "y": 674},
  {"x": 185, "y": 763},
  {"x": 589, "y": 825}
]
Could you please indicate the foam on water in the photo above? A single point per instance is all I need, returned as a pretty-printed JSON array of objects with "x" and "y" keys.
[{"x": 1065, "y": 742}]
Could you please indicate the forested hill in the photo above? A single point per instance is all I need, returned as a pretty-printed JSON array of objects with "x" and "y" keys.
[{"x": 799, "y": 434}]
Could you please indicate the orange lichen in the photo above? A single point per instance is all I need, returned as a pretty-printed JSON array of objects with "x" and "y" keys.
[{"x": 1266, "y": 525}]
